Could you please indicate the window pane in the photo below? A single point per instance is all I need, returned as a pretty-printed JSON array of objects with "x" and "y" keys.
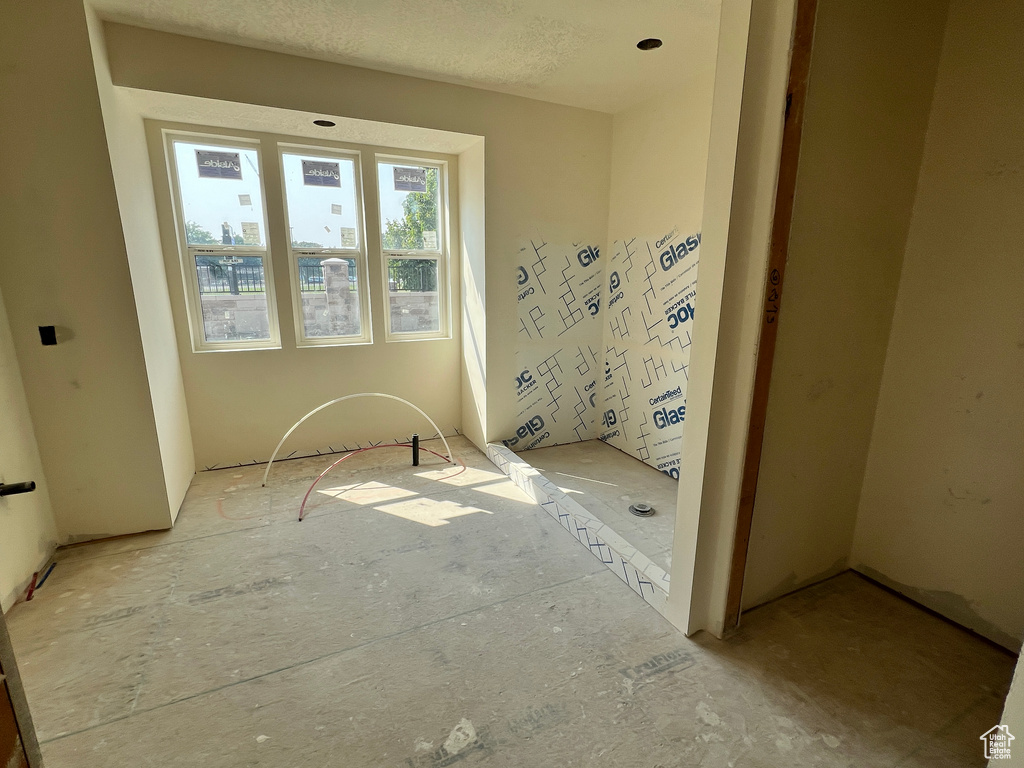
[
  {"x": 321, "y": 194},
  {"x": 233, "y": 296},
  {"x": 408, "y": 206},
  {"x": 413, "y": 295},
  {"x": 330, "y": 297},
  {"x": 221, "y": 199}
]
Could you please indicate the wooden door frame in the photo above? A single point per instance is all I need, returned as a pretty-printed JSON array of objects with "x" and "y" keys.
[
  {"x": 11, "y": 680},
  {"x": 796, "y": 94}
]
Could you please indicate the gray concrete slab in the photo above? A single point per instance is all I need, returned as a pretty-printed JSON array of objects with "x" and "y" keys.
[
  {"x": 423, "y": 622},
  {"x": 605, "y": 481}
]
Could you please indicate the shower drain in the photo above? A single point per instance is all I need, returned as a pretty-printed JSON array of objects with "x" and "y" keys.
[{"x": 641, "y": 510}]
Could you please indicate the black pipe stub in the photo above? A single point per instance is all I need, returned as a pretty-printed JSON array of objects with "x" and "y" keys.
[
  {"x": 641, "y": 510},
  {"x": 10, "y": 489}
]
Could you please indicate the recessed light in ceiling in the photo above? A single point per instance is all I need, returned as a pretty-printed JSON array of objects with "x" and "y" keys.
[
  {"x": 649, "y": 44},
  {"x": 324, "y": 123}
]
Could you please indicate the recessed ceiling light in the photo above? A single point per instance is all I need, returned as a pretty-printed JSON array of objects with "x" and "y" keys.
[
  {"x": 649, "y": 44},
  {"x": 328, "y": 123}
]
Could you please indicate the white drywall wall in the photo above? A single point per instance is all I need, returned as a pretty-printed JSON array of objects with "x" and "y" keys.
[
  {"x": 133, "y": 182},
  {"x": 940, "y": 510},
  {"x": 658, "y": 164},
  {"x": 545, "y": 170},
  {"x": 65, "y": 264},
  {"x": 872, "y": 71},
  {"x": 1013, "y": 718},
  {"x": 659, "y": 158},
  {"x": 28, "y": 533},
  {"x": 743, "y": 159},
  {"x": 474, "y": 304}
]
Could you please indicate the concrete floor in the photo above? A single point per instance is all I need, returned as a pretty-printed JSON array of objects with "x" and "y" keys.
[
  {"x": 605, "y": 481},
  {"x": 431, "y": 617}
]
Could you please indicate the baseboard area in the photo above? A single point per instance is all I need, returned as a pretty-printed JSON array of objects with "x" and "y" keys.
[{"x": 9, "y": 600}]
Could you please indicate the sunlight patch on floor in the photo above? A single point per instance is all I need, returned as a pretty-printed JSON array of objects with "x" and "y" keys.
[
  {"x": 505, "y": 490},
  {"x": 429, "y": 511},
  {"x": 370, "y": 492},
  {"x": 563, "y": 489},
  {"x": 467, "y": 476}
]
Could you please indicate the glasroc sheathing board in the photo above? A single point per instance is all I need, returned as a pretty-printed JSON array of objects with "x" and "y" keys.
[
  {"x": 648, "y": 580},
  {"x": 614, "y": 367},
  {"x": 652, "y": 290},
  {"x": 603, "y": 351},
  {"x": 559, "y": 352}
]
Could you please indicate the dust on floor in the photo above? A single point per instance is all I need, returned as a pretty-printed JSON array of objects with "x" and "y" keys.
[{"x": 433, "y": 616}]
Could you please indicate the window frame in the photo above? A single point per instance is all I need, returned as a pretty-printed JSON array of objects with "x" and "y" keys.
[
  {"x": 187, "y": 253},
  {"x": 441, "y": 256},
  {"x": 359, "y": 253}
]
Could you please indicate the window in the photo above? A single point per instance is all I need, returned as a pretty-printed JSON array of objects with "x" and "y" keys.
[
  {"x": 327, "y": 253},
  {"x": 413, "y": 247},
  {"x": 221, "y": 220},
  {"x": 318, "y": 220}
]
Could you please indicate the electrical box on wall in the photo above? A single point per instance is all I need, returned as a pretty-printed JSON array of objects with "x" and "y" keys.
[{"x": 48, "y": 335}]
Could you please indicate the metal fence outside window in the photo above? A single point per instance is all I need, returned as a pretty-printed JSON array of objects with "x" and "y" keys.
[
  {"x": 248, "y": 278},
  {"x": 311, "y": 277},
  {"x": 230, "y": 278}
]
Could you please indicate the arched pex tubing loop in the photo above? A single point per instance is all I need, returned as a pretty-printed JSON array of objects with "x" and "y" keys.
[
  {"x": 296, "y": 425},
  {"x": 302, "y": 508}
]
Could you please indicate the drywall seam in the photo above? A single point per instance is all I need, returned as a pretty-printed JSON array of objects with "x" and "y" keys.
[{"x": 646, "y": 579}]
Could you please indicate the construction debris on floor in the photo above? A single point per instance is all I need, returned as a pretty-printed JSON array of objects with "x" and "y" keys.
[{"x": 433, "y": 615}]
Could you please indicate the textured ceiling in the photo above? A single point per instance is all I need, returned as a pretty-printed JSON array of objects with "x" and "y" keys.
[{"x": 577, "y": 52}]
